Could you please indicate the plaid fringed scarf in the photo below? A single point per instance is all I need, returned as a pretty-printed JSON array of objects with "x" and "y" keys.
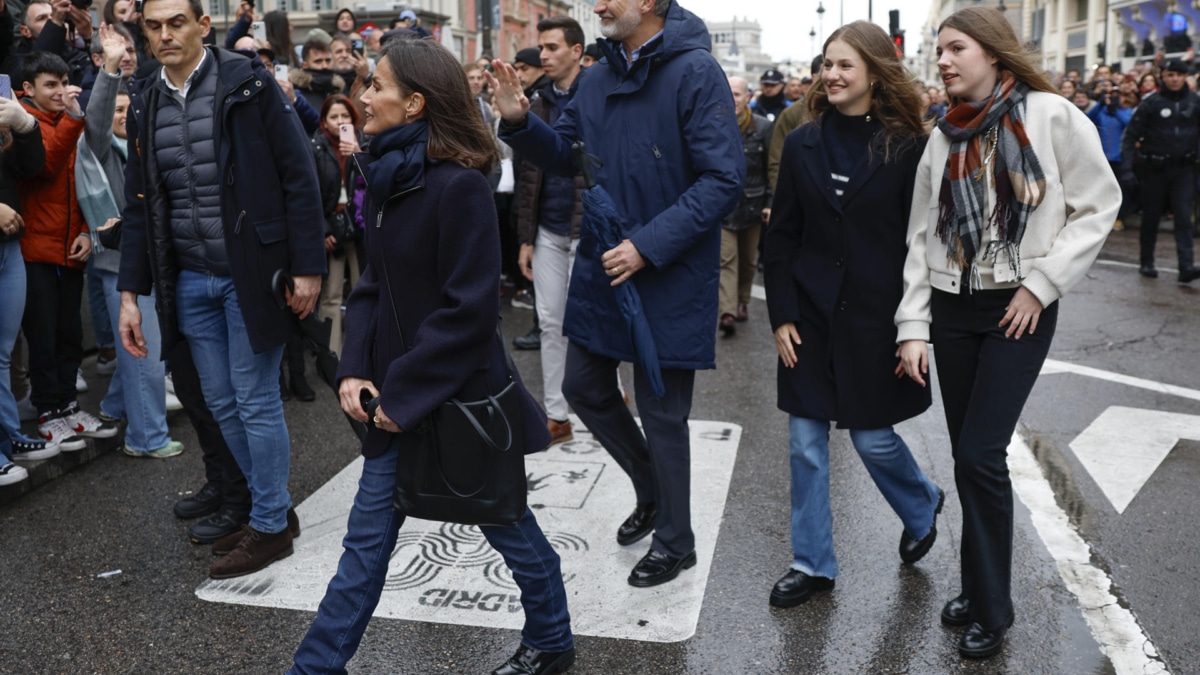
[{"x": 1016, "y": 175}]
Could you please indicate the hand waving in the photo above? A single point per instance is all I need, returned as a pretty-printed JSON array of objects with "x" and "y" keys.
[
  {"x": 114, "y": 48},
  {"x": 507, "y": 93}
]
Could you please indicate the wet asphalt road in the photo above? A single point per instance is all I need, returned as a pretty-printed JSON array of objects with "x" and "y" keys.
[{"x": 115, "y": 513}]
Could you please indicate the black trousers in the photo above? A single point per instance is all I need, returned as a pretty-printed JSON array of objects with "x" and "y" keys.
[
  {"x": 985, "y": 380},
  {"x": 220, "y": 468},
  {"x": 1178, "y": 184},
  {"x": 658, "y": 461},
  {"x": 54, "y": 330}
]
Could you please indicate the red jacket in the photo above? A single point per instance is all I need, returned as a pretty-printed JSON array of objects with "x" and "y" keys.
[{"x": 48, "y": 203}]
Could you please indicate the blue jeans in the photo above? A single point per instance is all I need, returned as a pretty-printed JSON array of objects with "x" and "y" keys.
[
  {"x": 137, "y": 392},
  {"x": 370, "y": 539},
  {"x": 909, "y": 492},
  {"x": 241, "y": 389},
  {"x": 12, "y": 308},
  {"x": 103, "y": 320}
]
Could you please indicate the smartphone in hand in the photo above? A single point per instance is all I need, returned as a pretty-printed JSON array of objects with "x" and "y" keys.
[
  {"x": 356, "y": 45},
  {"x": 6, "y": 90},
  {"x": 346, "y": 133},
  {"x": 281, "y": 71},
  {"x": 258, "y": 30}
]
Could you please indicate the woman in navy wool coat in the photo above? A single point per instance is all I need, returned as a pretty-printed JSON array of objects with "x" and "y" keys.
[
  {"x": 432, "y": 223},
  {"x": 834, "y": 258}
]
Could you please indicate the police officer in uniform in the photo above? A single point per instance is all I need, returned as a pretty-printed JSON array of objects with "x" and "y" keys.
[{"x": 1161, "y": 141}]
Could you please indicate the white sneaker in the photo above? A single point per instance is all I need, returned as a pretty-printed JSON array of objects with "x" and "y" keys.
[
  {"x": 54, "y": 428},
  {"x": 80, "y": 383},
  {"x": 29, "y": 449},
  {"x": 170, "y": 385},
  {"x": 173, "y": 402},
  {"x": 25, "y": 409},
  {"x": 11, "y": 473},
  {"x": 86, "y": 424}
]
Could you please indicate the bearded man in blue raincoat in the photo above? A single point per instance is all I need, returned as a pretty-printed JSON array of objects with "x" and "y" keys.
[{"x": 658, "y": 112}]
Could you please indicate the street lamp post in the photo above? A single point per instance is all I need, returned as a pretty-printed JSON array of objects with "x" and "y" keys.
[
  {"x": 812, "y": 41},
  {"x": 821, "y": 18}
]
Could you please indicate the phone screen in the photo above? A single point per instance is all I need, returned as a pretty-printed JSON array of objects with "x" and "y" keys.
[
  {"x": 356, "y": 45},
  {"x": 258, "y": 31},
  {"x": 6, "y": 89},
  {"x": 346, "y": 133},
  {"x": 281, "y": 71}
]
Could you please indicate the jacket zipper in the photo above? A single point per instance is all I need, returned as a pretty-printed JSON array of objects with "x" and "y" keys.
[
  {"x": 237, "y": 227},
  {"x": 657, "y": 154}
]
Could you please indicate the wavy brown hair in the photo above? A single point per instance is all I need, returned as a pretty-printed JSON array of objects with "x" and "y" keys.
[
  {"x": 894, "y": 98},
  {"x": 993, "y": 32},
  {"x": 456, "y": 132}
]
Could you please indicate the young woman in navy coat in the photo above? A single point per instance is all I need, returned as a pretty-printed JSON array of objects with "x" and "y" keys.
[
  {"x": 834, "y": 258},
  {"x": 432, "y": 254}
]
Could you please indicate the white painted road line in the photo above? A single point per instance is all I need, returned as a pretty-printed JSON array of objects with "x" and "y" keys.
[
  {"x": 1118, "y": 263},
  {"x": 446, "y": 573},
  {"x": 759, "y": 292},
  {"x": 1116, "y": 629},
  {"x": 1052, "y": 367}
]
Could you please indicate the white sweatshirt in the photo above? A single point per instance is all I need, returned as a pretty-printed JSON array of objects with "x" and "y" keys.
[{"x": 1062, "y": 238}]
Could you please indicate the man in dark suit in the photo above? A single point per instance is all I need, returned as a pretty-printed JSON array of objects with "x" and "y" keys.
[{"x": 221, "y": 195}]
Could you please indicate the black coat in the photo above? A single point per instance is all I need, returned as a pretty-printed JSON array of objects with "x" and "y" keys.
[
  {"x": 834, "y": 267},
  {"x": 440, "y": 244},
  {"x": 270, "y": 201},
  {"x": 25, "y": 159}
]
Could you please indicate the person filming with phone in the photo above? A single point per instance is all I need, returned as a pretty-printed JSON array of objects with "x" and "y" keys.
[
  {"x": 422, "y": 330},
  {"x": 221, "y": 194}
]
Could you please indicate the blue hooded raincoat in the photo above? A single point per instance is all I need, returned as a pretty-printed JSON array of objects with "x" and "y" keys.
[{"x": 666, "y": 132}]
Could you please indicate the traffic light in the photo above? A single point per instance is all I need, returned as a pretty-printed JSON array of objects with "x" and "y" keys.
[{"x": 895, "y": 31}]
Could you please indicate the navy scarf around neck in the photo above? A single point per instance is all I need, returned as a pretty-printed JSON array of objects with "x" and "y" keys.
[{"x": 399, "y": 160}]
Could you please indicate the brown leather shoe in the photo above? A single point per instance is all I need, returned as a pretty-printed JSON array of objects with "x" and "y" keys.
[
  {"x": 254, "y": 551},
  {"x": 727, "y": 326},
  {"x": 226, "y": 544},
  {"x": 560, "y": 432},
  {"x": 743, "y": 314}
]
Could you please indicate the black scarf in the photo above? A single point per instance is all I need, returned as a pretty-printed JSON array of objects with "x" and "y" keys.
[{"x": 399, "y": 163}]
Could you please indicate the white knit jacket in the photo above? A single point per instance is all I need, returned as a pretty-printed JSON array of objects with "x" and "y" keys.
[{"x": 1062, "y": 238}]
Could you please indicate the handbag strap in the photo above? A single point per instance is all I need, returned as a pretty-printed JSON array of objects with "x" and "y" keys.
[{"x": 404, "y": 345}]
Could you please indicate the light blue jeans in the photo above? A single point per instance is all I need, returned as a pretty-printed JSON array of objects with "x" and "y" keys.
[
  {"x": 909, "y": 492},
  {"x": 12, "y": 308},
  {"x": 241, "y": 389},
  {"x": 137, "y": 392},
  {"x": 103, "y": 321}
]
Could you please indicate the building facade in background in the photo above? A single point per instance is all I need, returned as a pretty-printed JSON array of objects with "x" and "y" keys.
[{"x": 737, "y": 45}]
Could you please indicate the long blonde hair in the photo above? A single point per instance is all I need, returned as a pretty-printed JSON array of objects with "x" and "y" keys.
[
  {"x": 894, "y": 98},
  {"x": 989, "y": 27}
]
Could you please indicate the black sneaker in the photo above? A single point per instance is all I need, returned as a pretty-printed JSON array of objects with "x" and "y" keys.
[
  {"x": 203, "y": 503},
  {"x": 225, "y": 521},
  {"x": 530, "y": 341},
  {"x": 26, "y": 449}
]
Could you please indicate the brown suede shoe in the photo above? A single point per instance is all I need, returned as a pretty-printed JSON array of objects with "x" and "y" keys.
[
  {"x": 560, "y": 432},
  {"x": 255, "y": 551},
  {"x": 226, "y": 544}
]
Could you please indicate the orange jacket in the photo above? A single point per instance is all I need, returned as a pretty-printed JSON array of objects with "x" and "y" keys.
[{"x": 48, "y": 203}]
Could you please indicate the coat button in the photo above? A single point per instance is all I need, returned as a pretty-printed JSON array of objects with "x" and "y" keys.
[
  {"x": 258, "y": 83},
  {"x": 245, "y": 92},
  {"x": 842, "y": 305},
  {"x": 841, "y": 261},
  {"x": 953, "y": 283}
]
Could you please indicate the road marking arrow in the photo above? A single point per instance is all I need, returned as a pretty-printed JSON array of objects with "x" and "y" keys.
[{"x": 1123, "y": 447}]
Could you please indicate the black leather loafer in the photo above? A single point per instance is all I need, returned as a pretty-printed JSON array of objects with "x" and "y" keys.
[
  {"x": 912, "y": 550},
  {"x": 977, "y": 643},
  {"x": 1189, "y": 275},
  {"x": 957, "y": 612},
  {"x": 796, "y": 587},
  {"x": 530, "y": 661},
  {"x": 203, "y": 503},
  {"x": 639, "y": 524},
  {"x": 1148, "y": 271},
  {"x": 658, "y": 568}
]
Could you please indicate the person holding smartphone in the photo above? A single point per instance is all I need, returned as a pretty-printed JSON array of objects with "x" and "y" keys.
[
  {"x": 341, "y": 191},
  {"x": 434, "y": 269}
]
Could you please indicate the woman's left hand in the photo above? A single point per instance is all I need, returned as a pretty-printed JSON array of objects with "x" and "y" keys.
[
  {"x": 384, "y": 422},
  {"x": 330, "y": 242},
  {"x": 348, "y": 148},
  {"x": 1022, "y": 313}
]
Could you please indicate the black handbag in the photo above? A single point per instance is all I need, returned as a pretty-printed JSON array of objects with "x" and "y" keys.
[
  {"x": 465, "y": 463},
  {"x": 342, "y": 226}
]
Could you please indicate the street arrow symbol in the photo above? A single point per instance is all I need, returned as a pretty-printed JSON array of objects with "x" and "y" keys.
[{"x": 1123, "y": 447}]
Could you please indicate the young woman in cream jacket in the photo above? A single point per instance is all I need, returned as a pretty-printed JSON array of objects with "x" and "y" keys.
[{"x": 1013, "y": 200}]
